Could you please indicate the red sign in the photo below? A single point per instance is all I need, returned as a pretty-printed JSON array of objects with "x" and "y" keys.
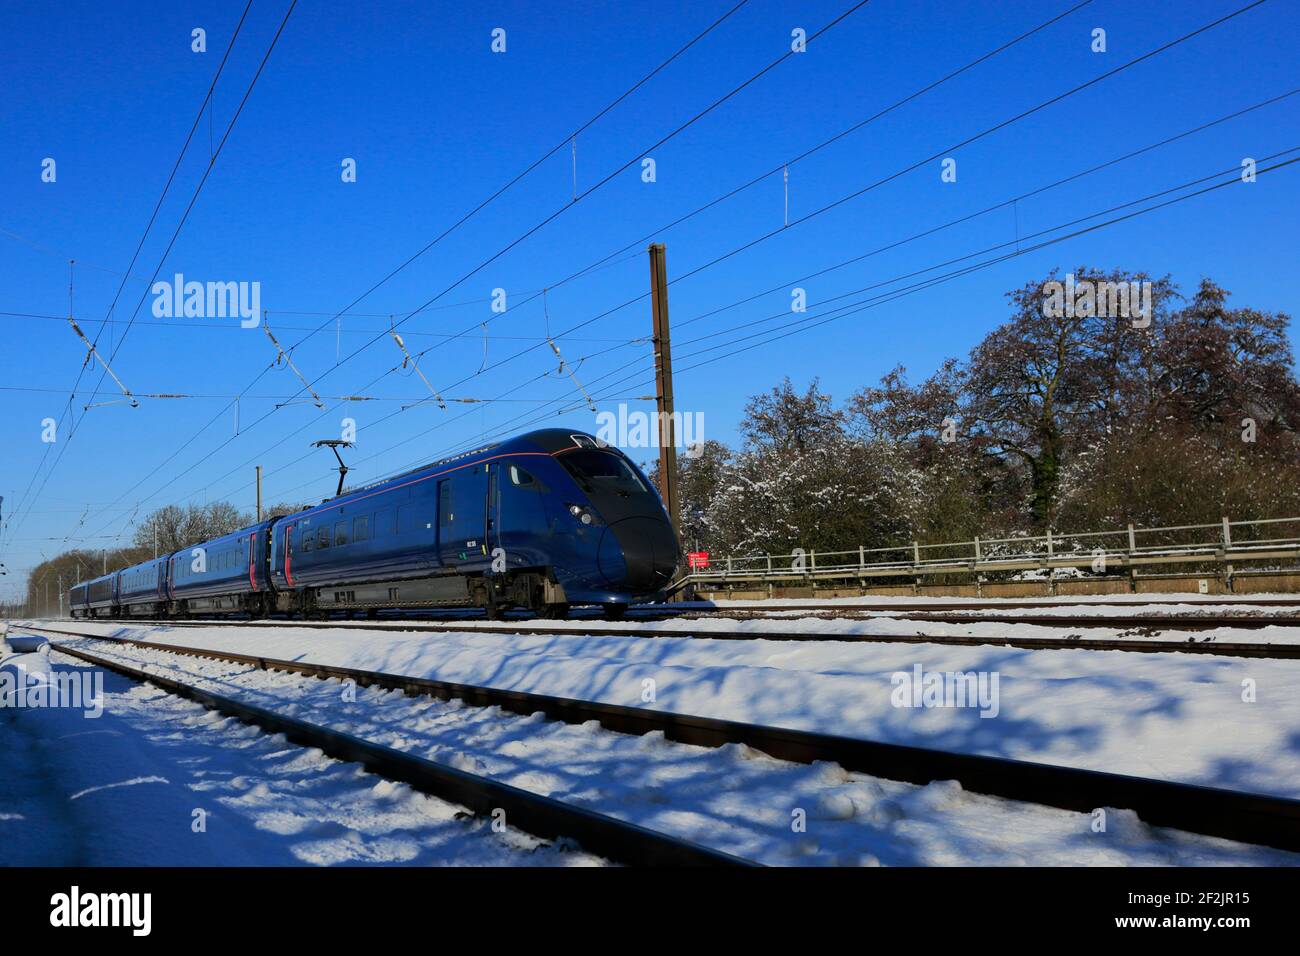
[{"x": 697, "y": 559}]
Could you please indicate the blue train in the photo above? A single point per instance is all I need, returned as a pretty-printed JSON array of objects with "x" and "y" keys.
[{"x": 542, "y": 521}]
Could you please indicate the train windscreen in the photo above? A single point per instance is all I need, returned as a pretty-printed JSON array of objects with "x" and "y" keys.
[{"x": 598, "y": 470}]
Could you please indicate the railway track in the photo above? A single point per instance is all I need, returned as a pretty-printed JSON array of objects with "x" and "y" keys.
[
  {"x": 987, "y": 604},
  {"x": 966, "y": 613},
  {"x": 1149, "y": 622},
  {"x": 1233, "y": 815},
  {"x": 1253, "y": 649},
  {"x": 541, "y": 816}
]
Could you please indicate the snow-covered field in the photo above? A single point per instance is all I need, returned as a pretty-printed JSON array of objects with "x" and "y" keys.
[
  {"x": 1177, "y": 717},
  {"x": 731, "y": 798},
  {"x": 129, "y": 787},
  {"x": 1217, "y": 721}
]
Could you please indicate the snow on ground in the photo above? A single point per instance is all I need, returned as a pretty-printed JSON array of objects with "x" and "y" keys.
[
  {"x": 122, "y": 790},
  {"x": 890, "y": 625},
  {"x": 1180, "y": 717},
  {"x": 732, "y": 798}
]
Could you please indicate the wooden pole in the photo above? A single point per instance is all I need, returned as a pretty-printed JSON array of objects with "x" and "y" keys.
[{"x": 664, "y": 383}]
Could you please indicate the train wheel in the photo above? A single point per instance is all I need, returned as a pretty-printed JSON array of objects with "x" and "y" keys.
[
  {"x": 614, "y": 612},
  {"x": 555, "y": 612}
]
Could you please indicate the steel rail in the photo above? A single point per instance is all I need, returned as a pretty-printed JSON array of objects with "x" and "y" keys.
[
  {"x": 541, "y": 816},
  {"x": 1251, "y": 649},
  {"x": 1229, "y": 814},
  {"x": 987, "y": 604},
  {"x": 660, "y": 611},
  {"x": 1182, "y": 622}
]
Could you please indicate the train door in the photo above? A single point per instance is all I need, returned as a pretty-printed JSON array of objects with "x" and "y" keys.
[
  {"x": 288, "y": 555},
  {"x": 492, "y": 531},
  {"x": 521, "y": 528},
  {"x": 462, "y": 517}
]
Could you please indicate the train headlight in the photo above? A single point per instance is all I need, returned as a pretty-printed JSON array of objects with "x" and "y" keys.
[{"x": 584, "y": 515}]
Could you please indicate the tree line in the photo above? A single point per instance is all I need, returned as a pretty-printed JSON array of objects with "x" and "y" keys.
[{"x": 1057, "y": 419}]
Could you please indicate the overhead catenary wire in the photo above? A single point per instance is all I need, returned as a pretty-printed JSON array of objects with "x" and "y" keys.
[
  {"x": 708, "y": 109},
  {"x": 533, "y": 230},
  {"x": 884, "y": 298},
  {"x": 1144, "y": 57},
  {"x": 855, "y": 307},
  {"x": 587, "y": 192},
  {"x": 135, "y": 255},
  {"x": 1137, "y": 152},
  {"x": 828, "y": 207},
  {"x": 784, "y": 167},
  {"x": 482, "y": 205},
  {"x": 570, "y": 138}
]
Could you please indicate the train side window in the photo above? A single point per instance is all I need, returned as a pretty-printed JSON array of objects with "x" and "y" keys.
[
  {"x": 323, "y": 538},
  {"x": 522, "y": 478},
  {"x": 306, "y": 539},
  {"x": 361, "y": 528},
  {"x": 340, "y": 534}
]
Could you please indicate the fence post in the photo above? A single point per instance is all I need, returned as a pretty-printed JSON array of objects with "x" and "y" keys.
[
  {"x": 812, "y": 560},
  {"x": 977, "y": 547},
  {"x": 916, "y": 552},
  {"x": 1132, "y": 540},
  {"x": 1227, "y": 533},
  {"x": 1049, "y": 542},
  {"x": 862, "y": 556}
]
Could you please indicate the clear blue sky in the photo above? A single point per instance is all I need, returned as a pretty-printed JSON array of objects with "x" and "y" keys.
[{"x": 437, "y": 122}]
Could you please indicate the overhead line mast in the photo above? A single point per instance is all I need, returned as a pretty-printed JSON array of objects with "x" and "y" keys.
[{"x": 664, "y": 381}]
